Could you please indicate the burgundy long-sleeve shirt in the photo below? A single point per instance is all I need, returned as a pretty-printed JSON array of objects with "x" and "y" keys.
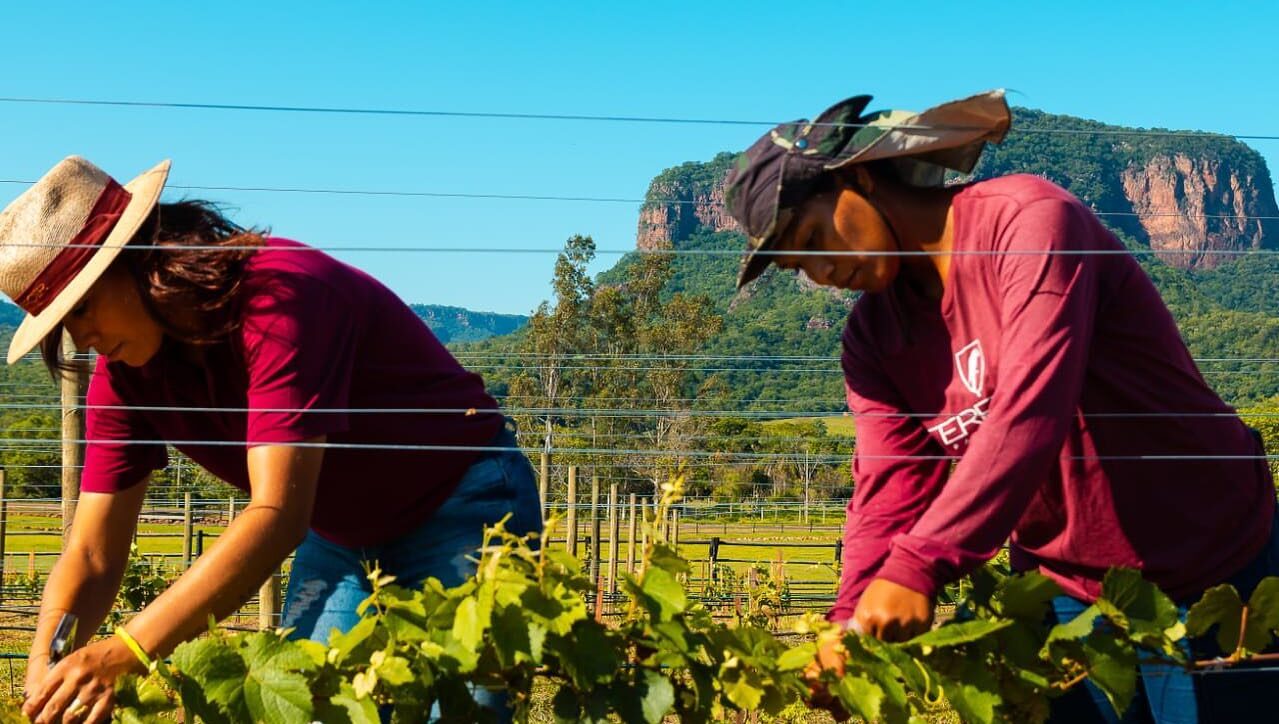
[{"x": 1059, "y": 389}]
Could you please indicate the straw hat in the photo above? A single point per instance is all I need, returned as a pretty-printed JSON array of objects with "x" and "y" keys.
[{"x": 61, "y": 234}]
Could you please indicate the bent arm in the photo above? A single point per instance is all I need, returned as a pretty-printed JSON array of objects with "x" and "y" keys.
[
  {"x": 1048, "y": 309},
  {"x": 283, "y": 482},
  {"x": 86, "y": 577}
]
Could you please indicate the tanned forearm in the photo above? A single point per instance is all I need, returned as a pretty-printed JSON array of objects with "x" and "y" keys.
[
  {"x": 221, "y": 581},
  {"x": 82, "y": 583}
]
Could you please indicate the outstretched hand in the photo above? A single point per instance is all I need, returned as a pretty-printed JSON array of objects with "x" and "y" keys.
[
  {"x": 81, "y": 687},
  {"x": 892, "y": 612}
]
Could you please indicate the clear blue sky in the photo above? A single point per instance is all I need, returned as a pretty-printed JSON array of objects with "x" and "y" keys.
[{"x": 1204, "y": 66}]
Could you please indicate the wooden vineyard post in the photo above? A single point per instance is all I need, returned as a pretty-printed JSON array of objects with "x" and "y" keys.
[
  {"x": 544, "y": 482},
  {"x": 839, "y": 557},
  {"x": 675, "y": 529},
  {"x": 630, "y": 539},
  {"x": 4, "y": 529},
  {"x": 269, "y": 602},
  {"x": 74, "y": 383},
  {"x": 570, "y": 542},
  {"x": 230, "y": 509},
  {"x": 712, "y": 555},
  {"x": 186, "y": 530},
  {"x": 614, "y": 541},
  {"x": 595, "y": 531}
]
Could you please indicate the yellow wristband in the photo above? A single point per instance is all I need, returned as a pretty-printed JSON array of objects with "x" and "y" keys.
[{"x": 134, "y": 646}]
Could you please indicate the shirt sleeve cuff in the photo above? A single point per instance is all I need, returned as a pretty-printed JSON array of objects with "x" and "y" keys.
[{"x": 906, "y": 569}]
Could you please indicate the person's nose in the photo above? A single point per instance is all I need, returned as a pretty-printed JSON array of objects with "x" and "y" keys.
[{"x": 818, "y": 268}]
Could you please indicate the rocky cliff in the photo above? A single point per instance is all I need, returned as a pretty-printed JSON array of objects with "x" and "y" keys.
[
  {"x": 685, "y": 200},
  {"x": 1173, "y": 193},
  {"x": 1213, "y": 206}
]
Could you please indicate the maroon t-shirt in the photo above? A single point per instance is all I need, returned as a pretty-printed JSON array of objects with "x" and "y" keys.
[
  {"x": 1063, "y": 394},
  {"x": 314, "y": 335}
]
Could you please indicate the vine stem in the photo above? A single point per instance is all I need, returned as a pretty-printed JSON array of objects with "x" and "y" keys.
[
  {"x": 1243, "y": 628},
  {"x": 1065, "y": 685},
  {"x": 1209, "y": 663}
]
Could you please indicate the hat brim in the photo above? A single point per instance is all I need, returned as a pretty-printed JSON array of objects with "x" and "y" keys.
[
  {"x": 951, "y": 134},
  {"x": 145, "y": 191},
  {"x": 754, "y": 264}
]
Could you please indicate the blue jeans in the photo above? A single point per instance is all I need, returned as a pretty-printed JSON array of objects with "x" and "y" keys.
[
  {"x": 328, "y": 580},
  {"x": 1170, "y": 695}
]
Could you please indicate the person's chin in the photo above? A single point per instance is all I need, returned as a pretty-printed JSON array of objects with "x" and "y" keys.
[{"x": 131, "y": 357}]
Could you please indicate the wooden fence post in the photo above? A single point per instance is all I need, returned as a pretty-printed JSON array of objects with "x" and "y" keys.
[
  {"x": 230, "y": 509},
  {"x": 544, "y": 483},
  {"x": 614, "y": 540},
  {"x": 630, "y": 539},
  {"x": 595, "y": 530},
  {"x": 73, "y": 384},
  {"x": 186, "y": 530},
  {"x": 570, "y": 543},
  {"x": 713, "y": 555},
  {"x": 269, "y": 602},
  {"x": 4, "y": 529}
]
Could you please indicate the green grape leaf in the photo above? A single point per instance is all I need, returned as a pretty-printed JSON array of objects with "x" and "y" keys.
[
  {"x": 395, "y": 671},
  {"x": 1263, "y": 614},
  {"x": 657, "y": 696},
  {"x": 1112, "y": 666},
  {"x": 954, "y": 634},
  {"x": 212, "y": 685},
  {"x": 860, "y": 695},
  {"x": 589, "y": 657},
  {"x": 1135, "y": 604},
  {"x": 1026, "y": 596},
  {"x": 666, "y": 558},
  {"x": 510, "y": 637},
  {"x": 275, "y": 695},
  {"x": 470, "y": 622},
  {"x": 268, "y": 649},
  {"x": 355, "y": 709},
  {"x": 1077, "y": 628},
  {"x": 745, "y": 690},
  {"x": 797, "y": 658},
  {"x": 663, "y": 593},
  {"x": 1220, "y": 606},
  {"x": 342, "y": 645},
  {"x": 975, "y": 697}
]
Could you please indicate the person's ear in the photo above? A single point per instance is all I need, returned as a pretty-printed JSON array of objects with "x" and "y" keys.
[{"x": 861, "y": 179}]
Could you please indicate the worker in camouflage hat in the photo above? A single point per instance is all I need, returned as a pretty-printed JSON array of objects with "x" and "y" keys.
[
  {"x": 780, "y": 169},
  {"x": 1006, "y": 359}
]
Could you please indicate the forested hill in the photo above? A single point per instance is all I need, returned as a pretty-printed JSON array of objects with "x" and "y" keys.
[
  {"x": 455, "y": 324},
  {"x": 1172, "y": 194},
  {"x": 450, "y": 324},
  {"x": 10, "y": 315}
]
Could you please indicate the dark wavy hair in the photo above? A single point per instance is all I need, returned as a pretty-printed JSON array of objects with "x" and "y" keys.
[{"x": 188, "y": 261}]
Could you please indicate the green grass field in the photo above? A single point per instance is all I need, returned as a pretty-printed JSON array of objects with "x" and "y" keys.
[{"x": 835, "y": 424}]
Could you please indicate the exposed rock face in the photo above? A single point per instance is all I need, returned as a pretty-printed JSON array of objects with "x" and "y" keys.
[
  {"x": 1190, "y": 203},
  {"x": 1175, "y": 194},
  {"x": 680, "y": 212}
]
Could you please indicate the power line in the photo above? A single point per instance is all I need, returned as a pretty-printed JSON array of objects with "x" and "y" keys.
[
  {"x": 666, "y": 251},
  {"x": 655, "y": 452},
  {"x": 432, "y": 113},
  {"x": 584, "y": 198}
]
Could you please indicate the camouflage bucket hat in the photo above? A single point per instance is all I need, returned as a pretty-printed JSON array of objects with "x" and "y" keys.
[{"x": 776, "y": 173}]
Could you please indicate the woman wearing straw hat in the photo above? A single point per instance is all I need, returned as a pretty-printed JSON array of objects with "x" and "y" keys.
[
  {"x": 279, "y": 369},
  {"x": 1009, "y": 368}
]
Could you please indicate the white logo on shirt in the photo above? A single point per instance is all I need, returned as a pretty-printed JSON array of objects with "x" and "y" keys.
[{"x": 971, "y": 365}]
